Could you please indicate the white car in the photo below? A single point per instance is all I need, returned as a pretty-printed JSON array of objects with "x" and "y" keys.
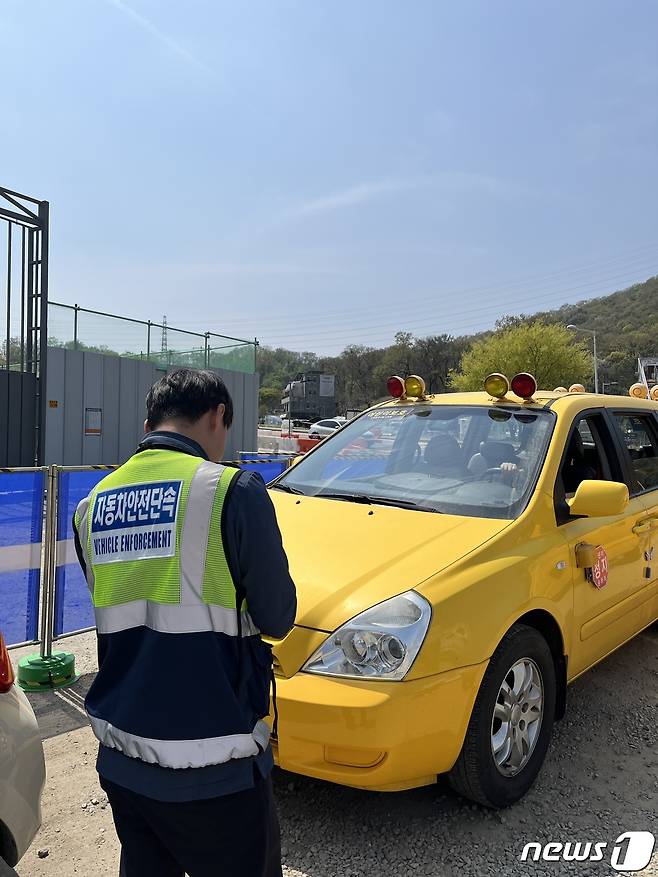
[
  {"x": 325, "y": 427},
  {"x": 22, "y": 767}
]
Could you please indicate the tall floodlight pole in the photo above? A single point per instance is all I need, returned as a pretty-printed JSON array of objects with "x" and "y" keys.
[{"x": 591, "y": 332}]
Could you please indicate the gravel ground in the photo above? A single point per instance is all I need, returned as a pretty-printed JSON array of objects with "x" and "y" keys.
[{"x": 600, "y": 780}]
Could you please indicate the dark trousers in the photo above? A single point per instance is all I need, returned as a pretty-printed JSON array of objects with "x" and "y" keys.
[{"x": 230, "y": 836}]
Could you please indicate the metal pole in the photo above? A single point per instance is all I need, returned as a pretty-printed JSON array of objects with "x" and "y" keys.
[
  {"x": 5, "y": 413},
  {"x": 591, "y": 332},
  {"x": 75, "y": 326},
  {"x": 148, "y": 340},
  {"x": 23, "y": 299},
  {"x": 44, "y": 210},
  {"x": 53, "y": 564},
  {"x": 47, "y": 576},
  {"x": 29, "y": 327},
  {"x": 8, "y": 342},
  {"x": 207, "y": 351}
]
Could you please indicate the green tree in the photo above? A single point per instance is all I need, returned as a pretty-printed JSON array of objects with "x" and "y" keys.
[
  {"x": 549, "y": 352},
  {"x": 356, "y": 377},
  {"x": 398, "y": 359},
  {"x": 14, "y": 354},
  {"x": 438, "y": 356},
  {"x": 269, "y": 399},
  {"x": 433, "y": 358},
  {"x": 278, "y": 366}
]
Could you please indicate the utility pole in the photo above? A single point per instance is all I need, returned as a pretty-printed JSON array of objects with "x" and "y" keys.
[
  {"x": 591, "y": 332},
  {"x": 163, "y": 339}
]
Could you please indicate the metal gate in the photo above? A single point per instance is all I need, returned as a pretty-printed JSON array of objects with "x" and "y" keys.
[{"x": 24, "y": 321}]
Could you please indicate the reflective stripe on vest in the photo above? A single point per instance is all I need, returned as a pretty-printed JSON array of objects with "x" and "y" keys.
[
  {"x": 174, "y": 584},
  {"x": 180, "y": 754},
  {"x": 199, "y": 593},
  {"x": 196, "y": 618},
  {"x": 81, "y": 526}
]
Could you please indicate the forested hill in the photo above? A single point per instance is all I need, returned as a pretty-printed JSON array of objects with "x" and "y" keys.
[{"x": 626, "y": 325}]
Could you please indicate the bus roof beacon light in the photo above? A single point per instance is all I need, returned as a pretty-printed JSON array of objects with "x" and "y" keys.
[
  {"x": 415, "y": 387},
  {"x": 653, "y": 393},
  {"x": 638, "y": 391},
  {"x": 560, "y": 390},
  {"x": 524, "y": 385},
  {"x": 395, "y": 386},
  {"x": 577, "y": 388},
  {"x": 496, "y": 385}
]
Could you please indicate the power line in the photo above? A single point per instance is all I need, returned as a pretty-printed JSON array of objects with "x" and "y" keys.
[
  {"x": 382, "y": 338},
  {"x": 462, "y": 291},
  {"x": 499, "y": 308},
  {"x": 630, "y": 257}
]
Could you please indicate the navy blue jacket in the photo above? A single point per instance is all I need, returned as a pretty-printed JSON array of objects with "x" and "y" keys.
[{"x": 258, "y": 564}]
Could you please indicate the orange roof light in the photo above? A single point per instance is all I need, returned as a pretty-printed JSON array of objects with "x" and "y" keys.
[
  {"x": 395, "y": 387},
  {"x": 415, "y": 386},
  {"x": 524, "y": 385},
  {"x": 653, "y": 393},
  {"x": 496, "y": 385},
  {"x": 560, "y": 390},
  {"x": 638, "y": 391},
  {"x": 577, "y": 388}
]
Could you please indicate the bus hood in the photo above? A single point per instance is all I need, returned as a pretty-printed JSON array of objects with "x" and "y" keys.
[{"x": 346, "y": 557}]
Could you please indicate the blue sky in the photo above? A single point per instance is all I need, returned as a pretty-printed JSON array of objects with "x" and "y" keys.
[{"x": 325, "y": 172}]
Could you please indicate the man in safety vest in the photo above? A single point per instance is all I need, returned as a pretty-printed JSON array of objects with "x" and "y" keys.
[{"x": 184, "y": 561}]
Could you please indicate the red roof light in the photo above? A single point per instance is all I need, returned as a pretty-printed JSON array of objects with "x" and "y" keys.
[
  {"x": 395, "y": 387},
  {"x": 524, "y": 385}
]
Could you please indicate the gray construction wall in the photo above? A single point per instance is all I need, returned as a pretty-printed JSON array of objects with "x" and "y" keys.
[
  {"x": 18, "y": 393},
  {"x": 78, "y": 380}
]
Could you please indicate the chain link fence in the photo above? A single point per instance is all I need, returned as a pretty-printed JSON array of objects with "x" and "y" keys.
[{"x": 77, "y": 328}]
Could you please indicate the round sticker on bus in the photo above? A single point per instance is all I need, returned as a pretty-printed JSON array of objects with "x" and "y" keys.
[{"x": 600, "y": 568}]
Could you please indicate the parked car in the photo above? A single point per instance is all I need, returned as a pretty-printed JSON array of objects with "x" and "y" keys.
[
  {"x": 295, "y": 424},
  {"x": 453, "y": 579},
  {"x": 325, "y": 427},
  {"x": 22, "y": 767}
]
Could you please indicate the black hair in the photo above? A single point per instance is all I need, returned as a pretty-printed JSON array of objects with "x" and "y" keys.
[{"x": 187, "y": 394}]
